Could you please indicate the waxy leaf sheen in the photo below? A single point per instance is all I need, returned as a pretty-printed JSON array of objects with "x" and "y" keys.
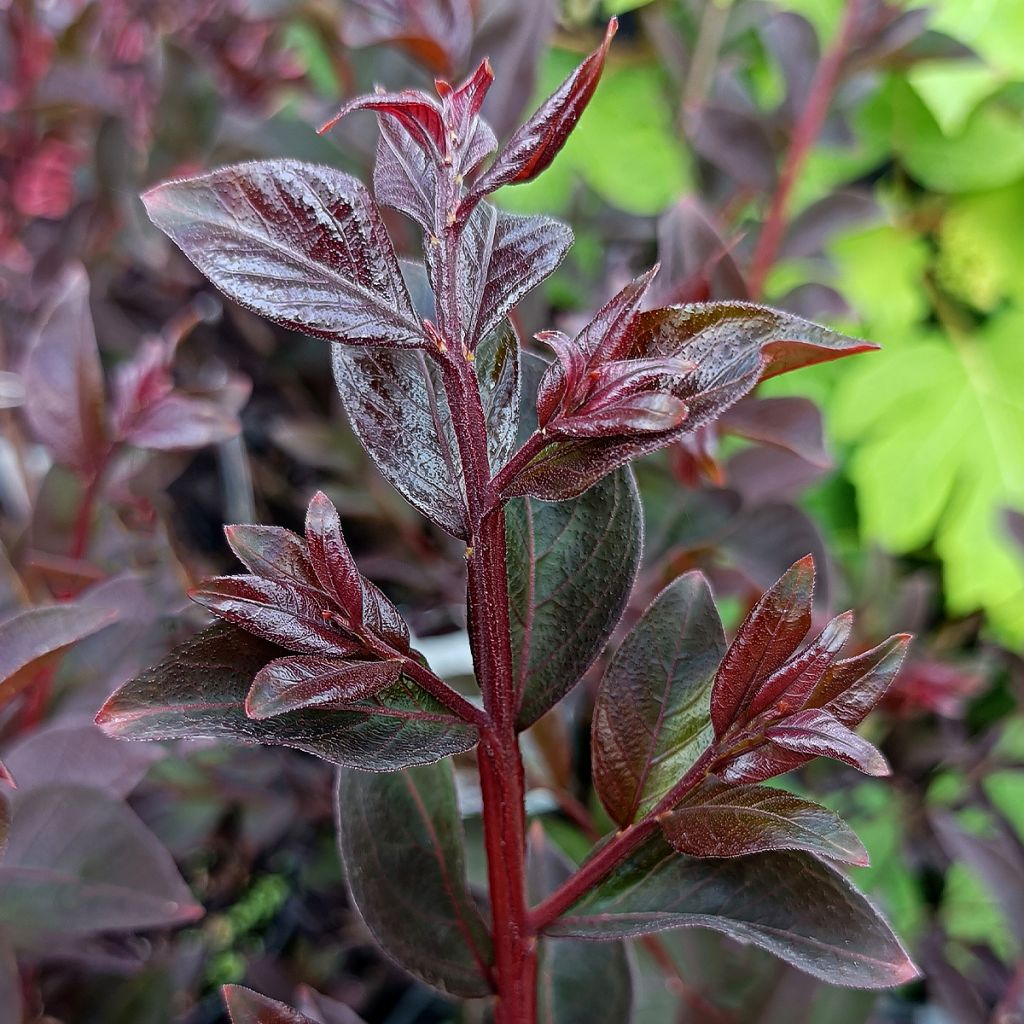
[
  {"x": 571, "y": 568},
  {"x": 793, "y": 905},
  {"x": 300, "y": 244},
  {"x": 650, "y": 719},
  {"x": 401, "y": 841}
]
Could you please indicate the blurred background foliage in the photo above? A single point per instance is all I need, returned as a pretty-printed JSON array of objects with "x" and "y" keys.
[{"x": 858, "y": 162}]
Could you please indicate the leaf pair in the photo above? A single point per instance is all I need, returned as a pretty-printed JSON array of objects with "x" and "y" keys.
[
  {"x": 631, "y": 382},
  {"x": 309, "y": 597}
]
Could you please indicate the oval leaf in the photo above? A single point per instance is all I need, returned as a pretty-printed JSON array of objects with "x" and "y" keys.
[
  {"x": 651, "y": 721},
  {"x": 300, "y": 244},
  {"x": 571, "y": 567},
  {"x": 734, "y": 821},
  {"x": 789, "y": 903},
  {"x": 198, "y": 692},
  {"x": 401, "y": 840}
]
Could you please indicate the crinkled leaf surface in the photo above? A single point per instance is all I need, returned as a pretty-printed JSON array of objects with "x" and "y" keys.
[
  {"x": 651, "y": 719},
  {"x": 80, "y": 862},
  {"x": 402, "y": 844},
  {"x": 248, "y": 1007},
  {"x": 719, "y": 820},
  {"x": 497, "y": 371},
  {"x": 300, "y": 244},
  {"x": 571, "y": 567},
  {"x": 37, "y": 632},
  {"x": 789, "y": 903},
  {"x": 63, "y": 378},
  {"x": 198, "y": 691}
]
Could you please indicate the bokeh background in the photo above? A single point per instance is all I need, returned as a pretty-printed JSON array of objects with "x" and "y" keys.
[{"x": 860, "y": 163}]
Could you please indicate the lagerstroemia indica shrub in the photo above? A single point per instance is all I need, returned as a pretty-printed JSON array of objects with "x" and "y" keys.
[{"x": 308, "y": 653}]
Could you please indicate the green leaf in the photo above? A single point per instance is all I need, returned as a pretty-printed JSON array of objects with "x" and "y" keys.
[
  {"x": 789, "y": 903},
  {"x": 625, "y": 147},
  {"x": 571, "y": 567},
  {"x": 939, "y": 431},
  {"x": 719, "y": 820},
  {"x": 652, "y": 717},
  {"x": 401, "y": 839},
  {"x": 198, "y": 692}
]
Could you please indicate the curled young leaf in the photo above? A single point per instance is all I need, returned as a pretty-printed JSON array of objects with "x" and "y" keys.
[
  {"x": 719, "y": 820},
  {"x": 401, "y": 828},
  {"x": 302, "y": 245},
  {"x": 330, "y": 557},
  {"x": 650, "y": 720}
]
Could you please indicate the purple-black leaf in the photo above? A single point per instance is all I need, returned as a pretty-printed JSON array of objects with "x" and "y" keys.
[{"x": 300, "y": 244}]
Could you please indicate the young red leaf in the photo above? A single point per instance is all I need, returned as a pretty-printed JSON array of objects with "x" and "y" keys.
[
  {"x": 38, "y": 632},
  {"x": 290, "y": 684},
  {"x": 272, "y": 552},
  {"x": 381, "y": 617},
  {"x": 817, "y": 733},
  {"x": 650, "y": 719},
  {"x": 283, "y": 613},
  {"x": 330, "y": 557},
  {"x": 789, "y": 686},
  {"x": 63, "y": 378},
  {"x": 719, "y": 820},
  {"x": 793, "y": 905},
  {"x": 198, "y": 692},
  {"x": 535, "y": 144},
  {"x": 419, "y": 115},
  {"x": 766, "y": 638},
  {"x": 403, "y": 828},
  {"x": 248, "y": 1007},
  {"x": 404, "y": 175},
  {"x": 300, "y": 244}
]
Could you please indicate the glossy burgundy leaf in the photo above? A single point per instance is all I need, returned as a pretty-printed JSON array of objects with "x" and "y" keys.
[
  {"x": 788, "y": 422},
  {"x": 300, "y": 244},
  {"x": 732, "y": 345},
  {"x": 80, "y": 862},
  {"x": 767, "y": 637},
  {"x": 436, "y": 32},
  {"x": 290, "y": 684},
  {"x": 719, "y": 820},
  {"x": 283, "y": 613},
  {"x": 401, "y": 840},
  {"x": 497, "y": 370},
  {"x": 571, "y": 568},
  {"x": 818, "y": 733},
  {"x": 272, "y": 552},
  {"x": 248, "y": 1007},
  {"x": 419, "y": 115},
  {"x": 505, "y": 256},
  {"x": 63, "y": 378},
  {"x": 404, "y": 174},
  {"x": 381, "y": 617},
  {"x": 330, "y": 557},
  {"x": 650, "y": 719},
  {"x": 793, "y": 905},
  {"x": 37, "y": 632},
  {"x": 791, "y": 684},
  {"x": 535, "y": 144},
  {"x": 198, "y": 692}
]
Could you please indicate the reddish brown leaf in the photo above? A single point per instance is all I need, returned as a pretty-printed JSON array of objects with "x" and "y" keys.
[
  {"x": 766, "y": 638},
  {"x": 330, "y": 557},
  {"x": 289, "y": 684},
  {"x": 817, "y": 733},
  {"x": 719, "y": 820},
  {"x": 272, "y": 552},
  {"x": 248, "y": 1007}
]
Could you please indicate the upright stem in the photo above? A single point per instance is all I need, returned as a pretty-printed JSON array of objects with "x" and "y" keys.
[
  {"x": 501, "y": 767},
  {"x": 808, "y": 127}
]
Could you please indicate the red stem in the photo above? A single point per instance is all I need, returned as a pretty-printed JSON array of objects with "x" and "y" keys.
[
  {"x": 501, "y": 767},
  {"x": 439, "y": 689},
  {"x": 611, "y": 855},
  {"x": 808, "y": 127}
]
